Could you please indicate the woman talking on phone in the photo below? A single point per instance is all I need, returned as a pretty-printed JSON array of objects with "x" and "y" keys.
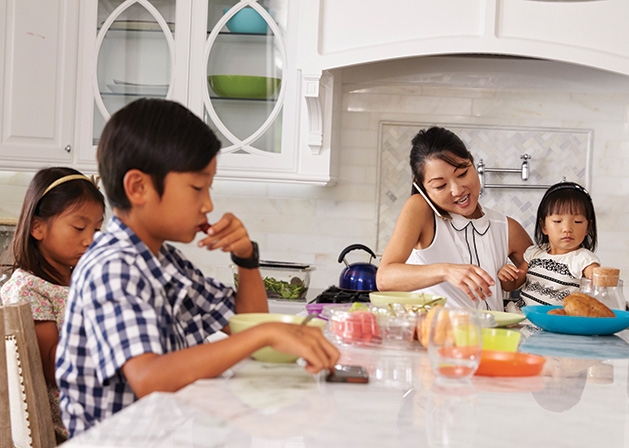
[{"x": 444, "y": 242}]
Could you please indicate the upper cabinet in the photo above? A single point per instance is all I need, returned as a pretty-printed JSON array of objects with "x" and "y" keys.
[
  {"x": 38, "y": 44},
  {"x": 231, "y": 62},
  {"x": 591, "y": 33}
]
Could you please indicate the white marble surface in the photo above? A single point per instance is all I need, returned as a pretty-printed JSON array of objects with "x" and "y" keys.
[{"x": 581, "y": 401}]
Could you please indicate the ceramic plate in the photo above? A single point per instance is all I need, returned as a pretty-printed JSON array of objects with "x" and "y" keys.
[
  {"x": 506, "y": 319},
  {"x": 590, "y": 326},
  {"x": 497, "y": 363}
]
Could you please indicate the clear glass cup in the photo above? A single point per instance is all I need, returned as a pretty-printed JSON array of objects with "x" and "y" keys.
[{"x": 454, "y": 345}]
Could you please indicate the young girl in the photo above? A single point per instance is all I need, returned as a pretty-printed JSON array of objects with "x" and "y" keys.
[
  {"x": 61, "y": 212},
  {"x": 565, "y": 237}
]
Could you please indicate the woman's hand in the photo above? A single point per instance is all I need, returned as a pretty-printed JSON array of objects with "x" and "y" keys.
[
  {"x": 229, "y": 235},
  {"x": 470, "y": 279}
]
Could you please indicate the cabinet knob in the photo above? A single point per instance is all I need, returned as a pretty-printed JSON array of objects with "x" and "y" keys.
[{"x": 68, "y": 149}]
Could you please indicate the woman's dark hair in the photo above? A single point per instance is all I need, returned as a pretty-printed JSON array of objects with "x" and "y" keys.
[
  {"x": 62, "y": 197},
  {"x": 155, "y": 136},
  {"x": 566, "y": 197},
  {"x": 439, "y": 143}
]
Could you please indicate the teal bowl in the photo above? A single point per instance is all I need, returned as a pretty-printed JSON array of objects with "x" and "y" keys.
[{"x": 247, "y": 21}]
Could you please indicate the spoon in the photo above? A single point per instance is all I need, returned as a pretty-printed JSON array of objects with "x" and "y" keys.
[{"x": 308, "y": 318}]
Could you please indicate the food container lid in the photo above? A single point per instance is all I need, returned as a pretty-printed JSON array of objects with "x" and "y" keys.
[
  {"x": 602, "y": 276},
  {"x": 285, "y": 265}
]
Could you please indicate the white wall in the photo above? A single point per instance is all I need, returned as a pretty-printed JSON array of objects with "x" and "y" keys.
[{"x": 313, "y": 224}]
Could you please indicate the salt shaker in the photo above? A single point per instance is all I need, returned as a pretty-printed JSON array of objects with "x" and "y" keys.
[{"x": 605, "y": 287}]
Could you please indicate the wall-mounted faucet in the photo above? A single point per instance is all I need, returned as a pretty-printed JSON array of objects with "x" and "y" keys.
[
  {"x": 525, "y": 166},
  {"x": 524, "y": 170}
]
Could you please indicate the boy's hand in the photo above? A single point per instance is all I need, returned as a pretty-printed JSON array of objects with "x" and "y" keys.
[
  {"x": 229, "y": 235},
  {"x": 306, "y": 342}
]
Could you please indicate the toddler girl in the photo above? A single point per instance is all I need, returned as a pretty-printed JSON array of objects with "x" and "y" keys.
[
  {"x": 61, "y": 212},
  {"x": 565, "y": 237}
]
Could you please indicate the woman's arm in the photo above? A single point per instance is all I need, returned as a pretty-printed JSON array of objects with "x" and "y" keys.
[
  {"x": 415, "y": 228},
  {"x": 47, "y": 339}
]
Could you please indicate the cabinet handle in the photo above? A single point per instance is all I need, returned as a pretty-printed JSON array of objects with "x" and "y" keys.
[{"x": 68, "y": 149}]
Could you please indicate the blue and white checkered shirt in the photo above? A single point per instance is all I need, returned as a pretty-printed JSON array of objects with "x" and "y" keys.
[{"x": 123, "y": 302}]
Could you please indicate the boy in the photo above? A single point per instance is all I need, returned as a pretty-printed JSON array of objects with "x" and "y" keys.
[{"x": 138, "y": 311}]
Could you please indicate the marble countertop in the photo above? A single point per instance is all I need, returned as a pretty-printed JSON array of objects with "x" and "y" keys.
[{"x": 581, "y": 399}]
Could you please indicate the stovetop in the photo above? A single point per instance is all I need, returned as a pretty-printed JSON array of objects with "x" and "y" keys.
[{"x": 337, "y": 295}]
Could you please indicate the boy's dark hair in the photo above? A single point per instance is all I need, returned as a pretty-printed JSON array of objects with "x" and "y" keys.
[
  {"x": 155, "y": 136},
  {"x": 566, "y": 197},
  {"x": 65, "y": 196}
]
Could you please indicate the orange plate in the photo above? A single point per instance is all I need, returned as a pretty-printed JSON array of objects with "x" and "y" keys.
[{"x": 495, "y": 363}]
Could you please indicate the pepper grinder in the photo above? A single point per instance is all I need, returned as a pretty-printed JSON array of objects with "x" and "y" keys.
[{"x": 605, "y": 287}]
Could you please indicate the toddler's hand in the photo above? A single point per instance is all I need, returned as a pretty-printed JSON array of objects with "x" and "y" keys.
[{"x": 508, "y": 273}]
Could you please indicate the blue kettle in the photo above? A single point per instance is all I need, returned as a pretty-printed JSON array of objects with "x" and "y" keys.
[{"x": 358, "y": 276}]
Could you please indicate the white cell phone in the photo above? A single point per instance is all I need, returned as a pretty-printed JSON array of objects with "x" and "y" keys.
[{"x": 432, "y": 206}]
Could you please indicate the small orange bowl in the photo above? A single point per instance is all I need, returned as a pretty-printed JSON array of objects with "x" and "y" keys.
[{"x": 498, "y": 363}]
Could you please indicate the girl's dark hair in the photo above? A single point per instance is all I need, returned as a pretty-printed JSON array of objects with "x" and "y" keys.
[
  {"x": 566, "y": 197},
  {"x": 440, "y": 143},
  {"x": 155, "y": 136},
  {"x": 73, "y": 193}
]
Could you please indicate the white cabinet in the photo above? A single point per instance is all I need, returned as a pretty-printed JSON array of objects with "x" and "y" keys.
[
  {"x": 186, "y": 50},
  {"x": 340, "y": 33},
  {"x": 38, "y": 42}
]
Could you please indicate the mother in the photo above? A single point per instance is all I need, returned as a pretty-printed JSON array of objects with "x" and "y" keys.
[{"x": 444, "y": 242}]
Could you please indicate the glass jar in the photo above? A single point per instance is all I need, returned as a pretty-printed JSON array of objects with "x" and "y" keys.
[{"x": 606, "y": 287}]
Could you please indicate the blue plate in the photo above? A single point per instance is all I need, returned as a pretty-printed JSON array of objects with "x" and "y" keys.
[{"x": 591, "y": 326}]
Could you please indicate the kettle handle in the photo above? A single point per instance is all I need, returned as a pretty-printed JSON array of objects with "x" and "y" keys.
[{"x": 348, "y": 249}]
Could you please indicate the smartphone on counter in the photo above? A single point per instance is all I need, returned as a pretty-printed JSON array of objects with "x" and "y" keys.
[{"x": 347, "y": 374}]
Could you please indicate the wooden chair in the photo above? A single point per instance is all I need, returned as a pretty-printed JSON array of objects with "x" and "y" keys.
[{"x": 25, "y": 418}]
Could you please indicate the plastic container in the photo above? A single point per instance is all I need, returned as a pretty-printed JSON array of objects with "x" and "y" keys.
[
  {"x": 283, "y": 280},
  {"x": 366, "y": 325}
]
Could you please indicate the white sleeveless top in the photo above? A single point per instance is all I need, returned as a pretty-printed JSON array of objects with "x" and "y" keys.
[{"x": 483, "y": 242}]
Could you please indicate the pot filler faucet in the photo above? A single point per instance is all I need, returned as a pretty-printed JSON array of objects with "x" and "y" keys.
[{"x": 524, "y": 170}]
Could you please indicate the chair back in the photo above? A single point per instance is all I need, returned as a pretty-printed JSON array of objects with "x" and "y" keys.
[{"x": 30, "y": 421}]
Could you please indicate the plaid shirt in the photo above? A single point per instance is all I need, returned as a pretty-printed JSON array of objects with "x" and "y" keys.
[{"x": 124, "y": 302}]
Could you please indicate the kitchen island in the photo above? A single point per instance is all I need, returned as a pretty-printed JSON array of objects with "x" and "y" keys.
[{"x": 581, "y": 399}]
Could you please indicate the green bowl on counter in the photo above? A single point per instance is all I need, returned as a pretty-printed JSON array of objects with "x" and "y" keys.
[
  {"x": 244, "y": 321},
  {"x": 244, "y": 86}
]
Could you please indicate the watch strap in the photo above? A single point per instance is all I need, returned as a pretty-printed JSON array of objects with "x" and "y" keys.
[{"x": 248, "y": 263}]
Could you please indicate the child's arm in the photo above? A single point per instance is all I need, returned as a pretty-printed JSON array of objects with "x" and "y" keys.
[
  {"x": 512, "y": 277},
  {"x": 170, "y": 372},
  {"x": 588, "y": 270},
  {"x": 47, "y": 338},
  {"x": 230, "y": 235}
]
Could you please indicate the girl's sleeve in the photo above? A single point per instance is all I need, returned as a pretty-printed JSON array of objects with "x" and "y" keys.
[
  {"x": 530, "y": 253},
  {"x": 582, "y": 260}
]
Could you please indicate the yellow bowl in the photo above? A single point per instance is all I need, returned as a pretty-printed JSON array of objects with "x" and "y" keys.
[
  {"x": 405, "y": 298},
  {"x": 244, "y": 321},
  {"x": 500, "y": 339}
]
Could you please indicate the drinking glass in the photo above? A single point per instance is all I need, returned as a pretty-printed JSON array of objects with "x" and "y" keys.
[{"x": 454, "y": 345}]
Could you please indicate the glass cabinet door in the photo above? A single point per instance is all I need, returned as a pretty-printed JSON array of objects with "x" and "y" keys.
[
  {"x": 134, "y": 55},
  {"x": 245, "y": 61}
]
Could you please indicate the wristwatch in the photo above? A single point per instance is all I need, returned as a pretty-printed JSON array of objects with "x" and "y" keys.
[{"x": 248, "y": 263}]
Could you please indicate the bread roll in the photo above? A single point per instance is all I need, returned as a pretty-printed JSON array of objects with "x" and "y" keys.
[
  {"x": 558, "y": 311},
  {"x": 579, "y": 304}
]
